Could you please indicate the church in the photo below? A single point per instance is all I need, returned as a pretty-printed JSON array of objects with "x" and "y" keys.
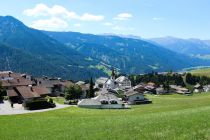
[{"x": 121, "y": 82}]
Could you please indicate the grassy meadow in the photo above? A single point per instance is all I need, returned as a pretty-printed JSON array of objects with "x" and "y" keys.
[
  {"x": 170, "y": 117},
  {"x": 201, "y": 72}
]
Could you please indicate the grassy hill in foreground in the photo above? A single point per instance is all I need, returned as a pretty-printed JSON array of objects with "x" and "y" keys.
[
  {"x": 169, "y": 117},
  {"x": 201, "y": 72}
]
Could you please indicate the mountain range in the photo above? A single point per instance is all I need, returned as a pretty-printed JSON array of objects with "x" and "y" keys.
[
  {"x": 78, "y": 56},
  {"x": 56, "y": 59},
  {"x": 191, "y": 47}
]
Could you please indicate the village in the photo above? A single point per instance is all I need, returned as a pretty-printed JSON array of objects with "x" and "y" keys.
[{"x": 115, "y": 92}]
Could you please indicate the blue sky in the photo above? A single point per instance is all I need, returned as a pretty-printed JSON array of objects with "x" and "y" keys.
[{"x": 145, "y": 18}]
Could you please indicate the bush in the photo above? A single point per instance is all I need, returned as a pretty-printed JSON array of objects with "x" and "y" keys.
[
  {"x": 71, "y": 102},
  {"x": 38, "y": 104},
  {"x": 51, "y": 100}
]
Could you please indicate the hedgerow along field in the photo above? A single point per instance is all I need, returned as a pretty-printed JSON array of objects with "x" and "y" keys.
[{"x": 170, "y": 117}]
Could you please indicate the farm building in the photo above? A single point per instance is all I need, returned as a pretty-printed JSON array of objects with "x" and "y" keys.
[
  {"x": 104, "y": 100},
  {"x": 135, "y": 97}
]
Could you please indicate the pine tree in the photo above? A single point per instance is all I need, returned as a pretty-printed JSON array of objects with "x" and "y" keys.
[
  {"x": 91, "y": 93},
  {"x": 1, "y": 91}
]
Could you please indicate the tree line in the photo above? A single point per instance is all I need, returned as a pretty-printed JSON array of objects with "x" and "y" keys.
[
  {"x": 169, "y": 79},
  {"x": 158, "y": 79}
]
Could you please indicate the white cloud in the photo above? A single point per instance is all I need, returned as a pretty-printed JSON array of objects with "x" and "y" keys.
[
  {"x": 123, "y": 16},
  {"x": 157, "y": 18},
  {"x": 38, "y": 10},
  {"x": 108, "y": 24},
  {"x": 77, "y": 25},
  {"x": 61, "y": 12},
  {"x": 90, "y": 17},
  {"x": 50, "y": 24}
]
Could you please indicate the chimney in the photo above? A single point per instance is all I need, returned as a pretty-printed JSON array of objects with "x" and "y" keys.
[{"x": 32, "y": 89}]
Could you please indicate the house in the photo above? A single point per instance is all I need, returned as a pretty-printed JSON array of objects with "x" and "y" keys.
[
  {"x": 100, "y": 82},
  {"x": 123, "y": 82},
  {"x": 30, "y": 93},
  {"x": 135, "y": 97},
  {"x": 206, "y": 88},
  {"x": 10, "y": 80},
  {"x": 80, "y": 83},
  {"x": 111, "y": 84},
  {"x": 179, "y": 89},
  {"x": 198, "y": 88},
  {"x": 104, "y": 100},
  {"x": 65, "y": 84},
  {"x": 85, "y": 89},
  {"x": 139, "y": 88},
  {"x": 54, "y": 85},
  {"x": 161, "y": 90}
]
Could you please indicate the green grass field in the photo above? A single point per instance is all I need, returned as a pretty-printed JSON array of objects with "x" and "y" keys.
[
  {"x": 201, "y": 72},
  {"x": 176, "y": 117}
]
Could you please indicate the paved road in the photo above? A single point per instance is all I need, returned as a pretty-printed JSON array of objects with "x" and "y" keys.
[{"x": 5, "y": 109}]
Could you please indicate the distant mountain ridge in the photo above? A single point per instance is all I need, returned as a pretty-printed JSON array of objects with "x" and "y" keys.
[
  {"x": 68, "y": 62},
  {"x": 192, "y": 47},
  {"x": 77, "y": 56},
  {"x": 128, "y": 54}
]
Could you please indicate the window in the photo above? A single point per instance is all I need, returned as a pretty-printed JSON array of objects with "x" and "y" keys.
[
  {"x": 113, "y": 102},
  {"x": 137, "y": 98},
  {"x": 104, "y": 102}
]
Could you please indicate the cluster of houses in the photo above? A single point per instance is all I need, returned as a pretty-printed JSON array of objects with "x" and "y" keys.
[
  {"x": 107, "y": 91},
  {"x": 22, "y": 88}
]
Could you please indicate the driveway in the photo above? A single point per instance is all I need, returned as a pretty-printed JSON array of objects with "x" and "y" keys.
[{"x": 5, "y": 109}]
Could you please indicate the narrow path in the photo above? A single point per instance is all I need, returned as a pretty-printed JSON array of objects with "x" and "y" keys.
[{"x": 5, "y": 109}]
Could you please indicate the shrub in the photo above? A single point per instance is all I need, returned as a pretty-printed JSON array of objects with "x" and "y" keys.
[
  {"x": 71, "y": 102},
  {"x": 38, "y": 104},
  {"x": 50, "y": 100}
]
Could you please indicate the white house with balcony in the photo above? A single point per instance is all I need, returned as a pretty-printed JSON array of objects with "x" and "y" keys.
[
  {"x": 104, "y": 100},
  {"x": 123, "y": 82}
]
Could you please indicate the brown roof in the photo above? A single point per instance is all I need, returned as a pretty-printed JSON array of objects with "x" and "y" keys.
[
  {"x": 85, "y": 87},
  {"x": 48, "y": 82},
  {"x": 67, "y": 83},
  {"x": 9, "y": 74},
  {"x": 27, "y": 92},
  {"x": 132, "y": 92},
  {"x": 41, "y": 90},
  {"x": 11, "y": 93},
  {"x": 16, "y": 82}
]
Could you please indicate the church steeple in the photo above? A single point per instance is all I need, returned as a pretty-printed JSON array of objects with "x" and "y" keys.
[{"x": 113, "y": 74}]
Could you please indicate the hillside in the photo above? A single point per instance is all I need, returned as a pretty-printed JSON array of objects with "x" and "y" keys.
[
  {"x": 169, "y": 117},
  {"x": 59, "y": 60},
  {"x": 201, "y": 72},
  {"x": 20, "y": 61},
  {"x": 127, "y": 54},
  {"x": 192, "y": 47},
  {"x": 79, "y": 56}
]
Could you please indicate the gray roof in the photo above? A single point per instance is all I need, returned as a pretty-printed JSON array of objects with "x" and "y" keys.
[{"x": 132, "y": 92}]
